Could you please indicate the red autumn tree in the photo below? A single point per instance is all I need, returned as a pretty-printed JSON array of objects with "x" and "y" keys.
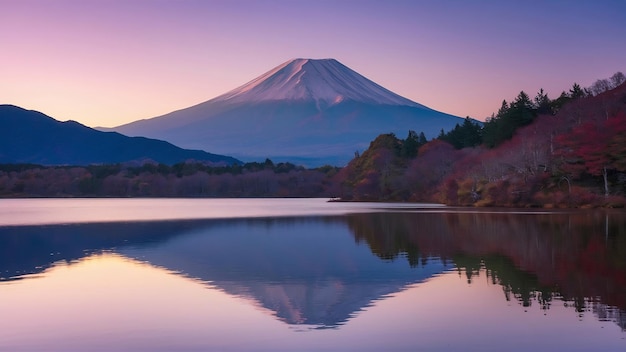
[
  {"x": 594, "y": 147},
  {"x": 616, "y": 146}
]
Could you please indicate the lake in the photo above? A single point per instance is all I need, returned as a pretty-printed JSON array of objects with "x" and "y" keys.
[{"x": 307, "y": 275}]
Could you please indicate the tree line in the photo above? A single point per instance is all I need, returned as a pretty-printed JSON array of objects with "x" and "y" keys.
[
  {"x": 520, "y": 112},
  {"x": 188, "y": 179}
]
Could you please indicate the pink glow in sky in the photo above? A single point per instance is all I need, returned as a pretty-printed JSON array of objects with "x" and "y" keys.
[{"x": 109, "y": 62}]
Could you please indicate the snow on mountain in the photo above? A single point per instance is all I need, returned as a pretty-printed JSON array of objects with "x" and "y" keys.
[
  {"x": 305, "y": 111},
  {"x": 325, "y": 80}
]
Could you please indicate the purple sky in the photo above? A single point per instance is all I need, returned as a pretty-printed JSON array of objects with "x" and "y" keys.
[{"x": 109, "y": 62}]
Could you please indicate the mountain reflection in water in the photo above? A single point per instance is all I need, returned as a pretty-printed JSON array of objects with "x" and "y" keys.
[{"x": 312, "y": 271}]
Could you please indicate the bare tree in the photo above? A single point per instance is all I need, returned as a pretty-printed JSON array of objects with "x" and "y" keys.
[
  {"x": 617, "y": 79},
  {"x": 600, "y": 86}
]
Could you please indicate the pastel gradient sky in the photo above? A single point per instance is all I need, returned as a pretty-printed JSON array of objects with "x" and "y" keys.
[{"x": 109, "y": 62}]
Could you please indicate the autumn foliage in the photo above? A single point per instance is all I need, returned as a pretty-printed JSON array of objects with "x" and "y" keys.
[
  {"x": 571, "y": 155},
  {"x": 158, "y": 180}
]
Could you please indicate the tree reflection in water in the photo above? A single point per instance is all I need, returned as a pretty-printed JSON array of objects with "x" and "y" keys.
[{"x": 576, "y": 257}]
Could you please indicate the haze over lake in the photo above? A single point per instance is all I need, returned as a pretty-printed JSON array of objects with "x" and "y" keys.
[{"x": 305, "y": 274}]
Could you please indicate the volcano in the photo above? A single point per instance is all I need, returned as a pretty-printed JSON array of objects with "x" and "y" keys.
[{"x": 309, "y": 112}]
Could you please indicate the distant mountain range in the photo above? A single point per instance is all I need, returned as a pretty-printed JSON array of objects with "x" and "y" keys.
[
  {"x": 31, "y": 137},
  {"x": 306, "y": 111}
]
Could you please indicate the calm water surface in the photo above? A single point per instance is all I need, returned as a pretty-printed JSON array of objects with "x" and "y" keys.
[{"x": 307, "y": 275}]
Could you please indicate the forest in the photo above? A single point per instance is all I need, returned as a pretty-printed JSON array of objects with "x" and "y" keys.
[
  {"x": 539, "y": 152},
  {"x": 534, "y": 152}
]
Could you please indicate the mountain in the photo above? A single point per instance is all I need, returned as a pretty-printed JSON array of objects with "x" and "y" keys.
[
  {"x": 307, "y": 111},
  {"x": 32, "y": 137}
]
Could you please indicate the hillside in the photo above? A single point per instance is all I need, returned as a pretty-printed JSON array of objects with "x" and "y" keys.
[
  {"x": 570, "y": 156},
  {"x": 32, "y": 137}
]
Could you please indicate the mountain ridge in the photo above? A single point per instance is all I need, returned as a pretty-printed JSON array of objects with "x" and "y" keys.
[{"x": 28, "y": 136}]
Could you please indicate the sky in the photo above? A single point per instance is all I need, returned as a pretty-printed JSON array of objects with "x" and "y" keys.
[{"x": 111, "y": 62}]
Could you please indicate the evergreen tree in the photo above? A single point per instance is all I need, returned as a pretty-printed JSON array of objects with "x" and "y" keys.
[
  {"x": 542, "y": 104},
  {"x": 410, "y": 145},
  {"x": 510, "y": 117},
  {"x": 576, "y": 92},
  {"x": 503, "y": 109},
  {"x": 422, "y": 139},
  {"x": 469, "y": 134},
  {"x": 559, "y": 102},
  {"x": 472, "y": 135}
]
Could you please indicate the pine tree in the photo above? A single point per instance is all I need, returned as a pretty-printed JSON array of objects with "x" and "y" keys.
[
  {"x": 422, "y": 139},
  {"x": 410, "y": 145},
  {"x": 576, "y": 92}
]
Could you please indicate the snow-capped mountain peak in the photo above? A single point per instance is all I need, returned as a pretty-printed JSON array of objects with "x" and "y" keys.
[
  {"x": 313, "y": 112},
  {"x": 323, "y": 80}
]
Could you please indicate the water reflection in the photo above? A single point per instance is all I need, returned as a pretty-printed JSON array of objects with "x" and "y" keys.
[
  {"x": 578, "y": 257},
  {"x": 305, "y": 270},
  {"x": 32, "y": 249},
  {"x": 319, "y": 272},
  {"x": 107, "y": 302}
]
